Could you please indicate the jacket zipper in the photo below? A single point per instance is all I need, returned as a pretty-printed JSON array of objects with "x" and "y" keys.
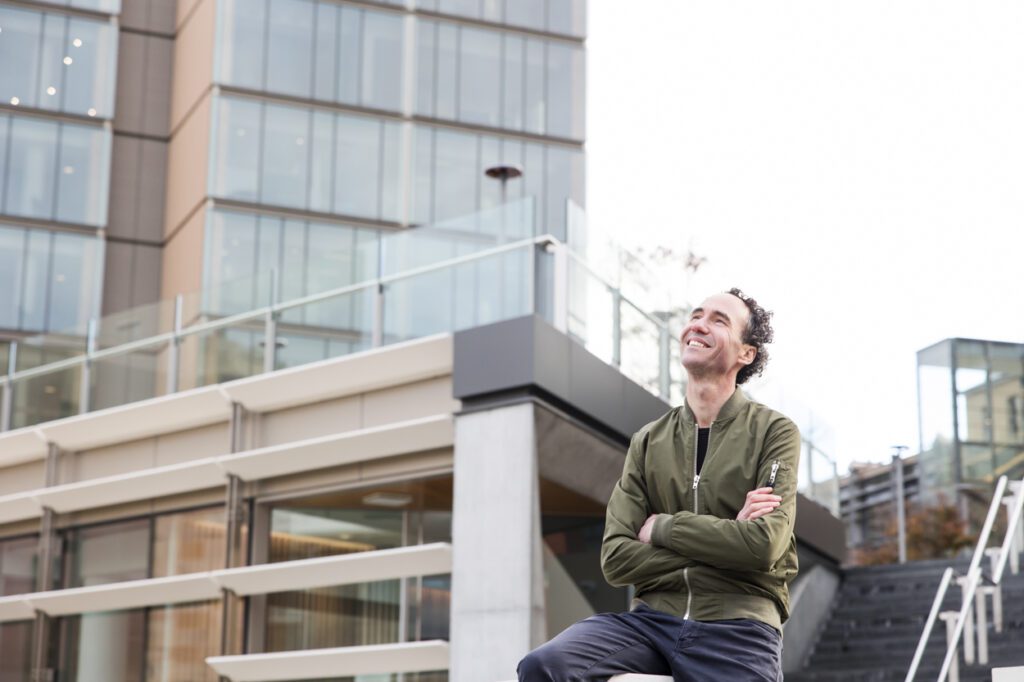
[
  {"x": 775, "y": 470},
  {"x": 696, "y": 481}
]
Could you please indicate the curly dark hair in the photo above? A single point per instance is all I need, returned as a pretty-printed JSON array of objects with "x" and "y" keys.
[{"x": 758, "y": 333}]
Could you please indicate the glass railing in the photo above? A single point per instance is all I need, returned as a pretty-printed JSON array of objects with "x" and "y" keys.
[
  {"x": 819, "y": 478},
  {"x": 434, "y": 279}
]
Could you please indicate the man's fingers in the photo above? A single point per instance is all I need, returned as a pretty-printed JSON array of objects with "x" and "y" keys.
[{"x": 764, "y": 497}]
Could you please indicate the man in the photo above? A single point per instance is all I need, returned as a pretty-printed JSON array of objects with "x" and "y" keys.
[{"x": 701, "y": 524}]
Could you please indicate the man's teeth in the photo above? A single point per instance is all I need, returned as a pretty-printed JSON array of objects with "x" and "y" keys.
[{"x": 696, "y": 344}]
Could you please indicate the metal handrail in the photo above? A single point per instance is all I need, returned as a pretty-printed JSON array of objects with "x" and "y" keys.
[
  {"x": 1011, "y": 528},
  {"x": 973, "y": 577},
  {"x": 262, "y": 311},
  {"x": 933, "y": 615}
]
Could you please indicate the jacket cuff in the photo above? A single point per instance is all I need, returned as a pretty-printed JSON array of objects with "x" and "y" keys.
[{"x": 662, "y": 530}]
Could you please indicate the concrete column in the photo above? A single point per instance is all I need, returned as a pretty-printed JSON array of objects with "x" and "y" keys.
[{"x": 497, "y": 611}]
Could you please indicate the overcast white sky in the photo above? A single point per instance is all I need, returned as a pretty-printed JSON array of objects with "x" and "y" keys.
[{"x": 856, "y": 166}]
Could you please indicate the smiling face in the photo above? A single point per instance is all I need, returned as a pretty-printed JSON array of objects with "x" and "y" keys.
[{"x": 712, "y": 341}]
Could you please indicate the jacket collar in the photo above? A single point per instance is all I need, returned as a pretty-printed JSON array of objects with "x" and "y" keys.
[{"x": 730, "y": 409}]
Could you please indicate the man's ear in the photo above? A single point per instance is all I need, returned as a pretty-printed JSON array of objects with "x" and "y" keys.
[{"x": 747, "y": 354}]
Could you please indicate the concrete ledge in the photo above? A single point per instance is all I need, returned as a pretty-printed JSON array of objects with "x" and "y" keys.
[
  {"x": 1008, "y": 674},
  {"x": 379, "y": 659}
]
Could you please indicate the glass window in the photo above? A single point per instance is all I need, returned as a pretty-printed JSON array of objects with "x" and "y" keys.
[
  {"x": 426, "y": 51},
  {"x": 90, "y": 60},
  {"x": 108, "y": 6},
  {"x": 110, "y": 553},
  {"x": 12, "y": 257},
  {"x": 81, "y": 180},
  {"x": 52, "y": 71},
  {"x": 231, "y": 248},
  {"x": 103, "y": 646},
  {"x": 568, "y": 17},
  {"x": 285, "y": 161},
  {"x": 423, "y": 176},
  {"x": 349, "y": 35},
  {"x": 268, "y": 255},
  {"x": 391, "y": 172},
  {"x": 73, "y": 280},
  {"x": 462, "y": 8},
  {"x": 188, "y": 542},
  {"x": 534, "y": 89},
  {"x": 480, "y": 77},
  {"x": 447, "y": 71},
  {"x": 564, "y": 181},
  {"x": 326, "y": 57},
  {"x": 565, "y": 91},
  {"x": 289, "y": 54},
  {"x": 33, "y": 151},
  {"x": 238, "y": 135},
  {"x": 357, "y": 176},
  {"x": 526, "y": 13},
  {"x": 18, "y": 565},
  {"x": 514, "y": 65},
  {"x": 35, "y": 292},
  {"x": 179, "y": 640},
  {"x": 20, "y": 32},
  {"x": 455, "y": 174},
  {"x": 241, "y": 54},
  {"x": 382, "y": 60},
  {"x": 16, "y": 650},
  {"x": 322, "y": 163}
]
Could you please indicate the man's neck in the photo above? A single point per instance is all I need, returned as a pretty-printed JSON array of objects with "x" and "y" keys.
[{"x": 705, "y": 397}]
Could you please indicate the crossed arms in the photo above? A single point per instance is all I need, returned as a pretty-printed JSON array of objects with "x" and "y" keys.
[{"x": 754, "y": 541}]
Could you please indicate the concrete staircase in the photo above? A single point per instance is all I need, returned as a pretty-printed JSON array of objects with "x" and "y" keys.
[{"x": 877, "y": 618}]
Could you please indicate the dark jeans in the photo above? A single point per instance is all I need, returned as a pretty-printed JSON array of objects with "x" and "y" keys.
[{"x": 655, "y": 643}]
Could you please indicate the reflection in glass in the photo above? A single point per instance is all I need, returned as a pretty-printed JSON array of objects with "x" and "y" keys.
[
  {"x": 352, "y": 521},
  {"x": 382, "y": 60},
  {"x": 83, "y": 166},
  {"x": 102, "y": 646},
  {"x": 16, "y": 651},
  {"x": 242, "y": 25},
  {"x": 58, "y": 63},
  {"x": 32, "y": 149},
  {"x": 179, "y": 639},
  {"x": 18, "y": 565},
  {"x": 188, "y": 542},
  {"x": 285, "y": 154},
  {"x": 289, "y": 52},
  {"x": 480, "y": 84},
  {"x": 236, "y": 173}
]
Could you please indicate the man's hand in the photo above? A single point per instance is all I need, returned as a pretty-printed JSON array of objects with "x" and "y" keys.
[
  {"x": 644, "y": 535},
  {"x": 759, "y": 502}
]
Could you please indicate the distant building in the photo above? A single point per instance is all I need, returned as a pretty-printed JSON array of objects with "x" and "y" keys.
[
  {"x": 867, "y": 502},
  {"x": 971, "y": 420}
]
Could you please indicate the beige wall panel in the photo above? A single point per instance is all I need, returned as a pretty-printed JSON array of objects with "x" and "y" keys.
[
  {"x": 20, "y": 528},
  {"x": 162, "y": 505},
  {"x": 420, "y": 464},
  {"x": 18, "y": 479},
  {"x": 309, "y": 421},
  {"x": 155, "y": 16},
  {"x": 183, "y": 446},
  {"x": 193, "y": 59},
  {"x": 407, "y": 465},
  {"x": 182, "y": 271},
  {"x": 108, "y": 461},
  {"x": 185, "y": 8},
  {"x": 411, "y": 401},
  {"x": 187, "y": 161}
]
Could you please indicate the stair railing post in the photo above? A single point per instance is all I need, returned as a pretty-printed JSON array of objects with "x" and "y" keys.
[
  {"x": 968, "y": 638},
  {"x": 982, "y": 621},
  {"x": 954, "y": 666}
]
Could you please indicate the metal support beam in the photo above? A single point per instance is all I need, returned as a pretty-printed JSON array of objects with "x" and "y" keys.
[
  {"x": 174, "y": 349},
  {"x": 899, "y": 499},
  {"x": 270, "y": 328},
  {"x": 85, "y": 385},
  {"x": 7, "y": 405},
  {"x": 41, "y": 672},
  {"x": 234, "y": 520}
]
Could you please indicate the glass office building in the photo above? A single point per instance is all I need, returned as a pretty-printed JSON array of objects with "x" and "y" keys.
[
  {"x": 971, "y": 407},
  {"x": 137, "y": 142}
]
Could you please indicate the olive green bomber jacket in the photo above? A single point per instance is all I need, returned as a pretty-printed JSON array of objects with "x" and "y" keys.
[{"x": 702, "y": 563}]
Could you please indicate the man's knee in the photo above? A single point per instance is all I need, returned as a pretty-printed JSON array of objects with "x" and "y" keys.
[{"x": 543, "y": 664}]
